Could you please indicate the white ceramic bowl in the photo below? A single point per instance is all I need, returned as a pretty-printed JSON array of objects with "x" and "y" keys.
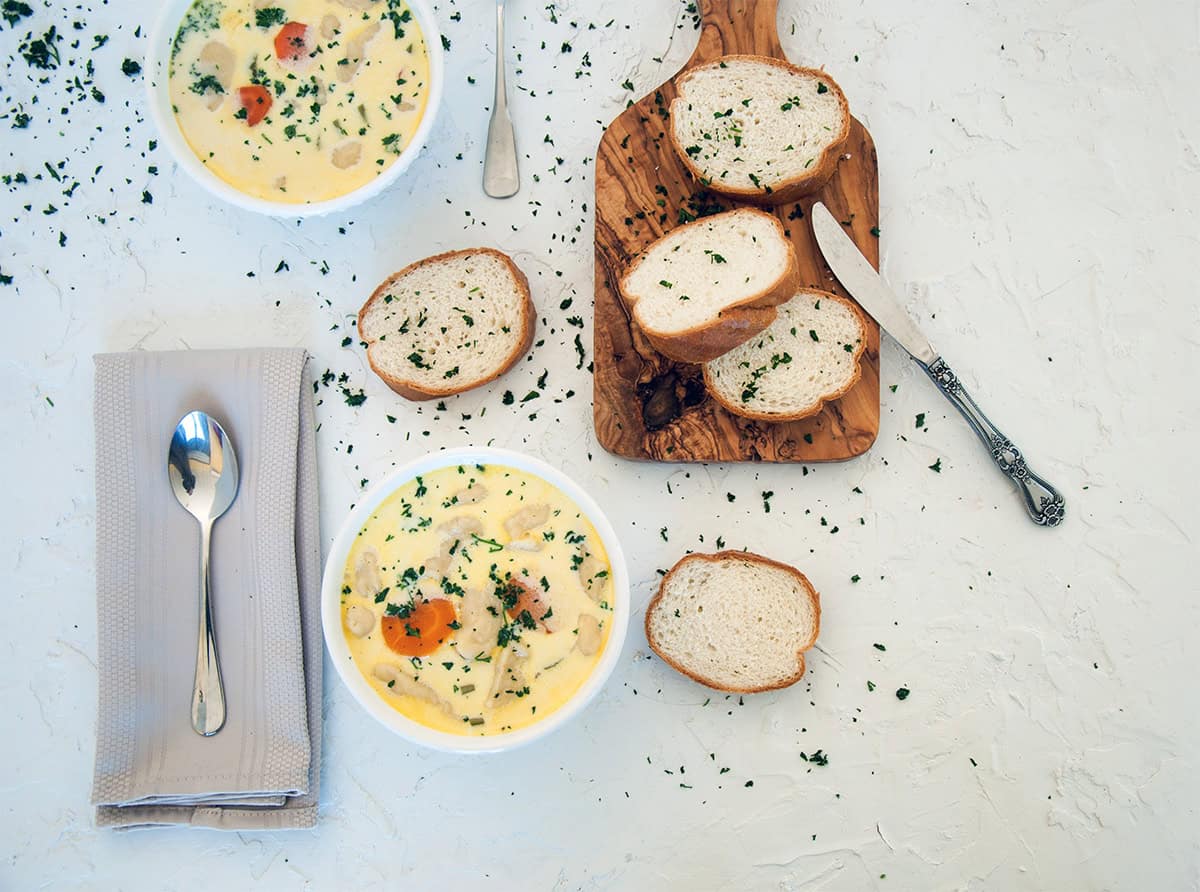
[
  {"x": 331, "y": 596},
  {"x": 159, "y": 54}
]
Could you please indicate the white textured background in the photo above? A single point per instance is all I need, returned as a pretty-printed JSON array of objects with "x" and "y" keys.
[{"x": 1040, "y": 180}]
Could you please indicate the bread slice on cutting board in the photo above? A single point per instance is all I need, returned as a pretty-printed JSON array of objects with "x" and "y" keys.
[
  {"x": 448, "y": 323},
  {"x": 709, "y": 285},
  {"x": 811, "y": 354},
  {"x": 759, "y": 129},
  {"x": 734, "y": 621}
]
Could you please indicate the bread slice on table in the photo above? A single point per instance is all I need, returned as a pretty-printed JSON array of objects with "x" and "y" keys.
[
  {"x": 759, "y": 129},
  {"x": 811, "y": 354},
  {"x": 709, "y": 285},
  {"x": 448, "y": 323},
  {"x": 734, "y": 621}
]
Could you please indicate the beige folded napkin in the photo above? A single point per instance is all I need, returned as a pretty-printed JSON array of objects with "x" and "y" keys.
[{"x": 261, "y": 770}]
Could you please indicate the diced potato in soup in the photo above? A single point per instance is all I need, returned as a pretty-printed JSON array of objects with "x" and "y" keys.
[
  {"x": 298, "y": 100},
  {"x": 455, "y": 628}
]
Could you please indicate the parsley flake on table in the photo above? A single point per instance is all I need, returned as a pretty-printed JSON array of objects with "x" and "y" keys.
[
  {"x": 43, "y": 52},
  {"x": 13, "y": 11}
]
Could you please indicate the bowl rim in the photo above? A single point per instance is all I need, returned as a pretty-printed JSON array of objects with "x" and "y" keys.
[
  {"x": 158, "y": 97},
  {"x": 339, "y": 651}
]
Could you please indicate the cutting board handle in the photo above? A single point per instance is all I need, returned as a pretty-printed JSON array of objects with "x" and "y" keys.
[{"x": 737, "y": 26}]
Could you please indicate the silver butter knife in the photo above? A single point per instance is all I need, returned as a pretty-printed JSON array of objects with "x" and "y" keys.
[{"x": 1045, "y": 504}]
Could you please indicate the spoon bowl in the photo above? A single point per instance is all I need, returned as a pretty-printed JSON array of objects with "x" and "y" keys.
[
  {"x": 203, "y": 471},
  {"x": 202, "y": 467}
]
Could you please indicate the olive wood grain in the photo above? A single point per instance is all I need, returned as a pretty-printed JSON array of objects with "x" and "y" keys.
[{"x": 646, "y": 406}]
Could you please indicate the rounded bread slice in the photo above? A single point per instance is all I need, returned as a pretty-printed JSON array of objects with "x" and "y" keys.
[
  {"x": 759, "y": 129},
  {"x": 734, "y": 621},
  {"x": 810, "y": 355},
  {"x": 709, "y": 285},
  {"x": 448, "y": 323}
]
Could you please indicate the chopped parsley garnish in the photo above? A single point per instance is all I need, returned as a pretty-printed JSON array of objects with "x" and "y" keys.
[
  {"x": 206, "y": 82},
  {"x": 398, "y": 20},
  {"x": 492, "y": 544},
  {"x": 271, "y": 15}
]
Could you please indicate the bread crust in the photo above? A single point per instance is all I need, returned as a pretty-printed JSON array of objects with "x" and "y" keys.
[
  {"x": 737, "y": 408},
  {"x": 790, "y": 189},
  {"x": 717, "y": 558},
  {"x": 412, "y": 391},
  {"x": 734, "y": 325}
]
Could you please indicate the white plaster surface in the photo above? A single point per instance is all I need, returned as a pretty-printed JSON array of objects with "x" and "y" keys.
[{"x": 1039, "y": 182}]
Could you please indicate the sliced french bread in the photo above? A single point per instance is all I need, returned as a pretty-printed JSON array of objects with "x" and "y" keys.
[
  {"x": 734, "y": 621},
  {"x": 707, "y": 286},
  {"x": 448, "y": 323},
  {"x": 759, "y": 129},
  {"x": 809, "y": 355}
]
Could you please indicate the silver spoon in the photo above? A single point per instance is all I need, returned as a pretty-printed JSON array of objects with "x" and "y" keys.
[
  {"x": 204, "y": 477},
  {"x": 501, "y": 179}
]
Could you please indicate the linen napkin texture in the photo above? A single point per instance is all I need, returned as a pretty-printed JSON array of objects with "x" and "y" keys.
[{"x": 261, "y": 770}]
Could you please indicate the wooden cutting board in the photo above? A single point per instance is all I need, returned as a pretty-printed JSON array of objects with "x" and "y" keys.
[{"x": 649, "y": 407}]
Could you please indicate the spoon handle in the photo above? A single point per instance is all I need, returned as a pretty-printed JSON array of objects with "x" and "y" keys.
[
  {"x": 501, "y": 177},
  {"x": 208, "y": 693}
]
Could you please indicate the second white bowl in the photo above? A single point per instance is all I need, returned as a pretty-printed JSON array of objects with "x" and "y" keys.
[{"x": 331, "y": 599}]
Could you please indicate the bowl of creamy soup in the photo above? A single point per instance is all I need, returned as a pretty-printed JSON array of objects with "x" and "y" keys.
[
  {"x": 295, "y": 107},
  {"x": 475, "y": 600}
]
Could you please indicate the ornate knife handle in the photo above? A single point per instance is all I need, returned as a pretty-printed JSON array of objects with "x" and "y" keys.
[{"x": 1045, "y": 504}]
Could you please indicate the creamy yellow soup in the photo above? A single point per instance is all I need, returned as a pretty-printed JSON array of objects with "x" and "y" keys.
[
  {"x": 298, "y": 100},
  {"x": 476, "y": 599}
]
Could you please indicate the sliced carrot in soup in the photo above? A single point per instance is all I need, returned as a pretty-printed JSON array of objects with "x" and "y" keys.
[
  {"x": 292, "y": 41},
  {"x": 427, "y": 625},
  {"x": 256, "y": 100}
]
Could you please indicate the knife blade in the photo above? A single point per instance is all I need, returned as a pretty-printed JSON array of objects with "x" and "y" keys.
[
  {"x": 858, "y": 277},
  {"x": 1044, "y": 503}
]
